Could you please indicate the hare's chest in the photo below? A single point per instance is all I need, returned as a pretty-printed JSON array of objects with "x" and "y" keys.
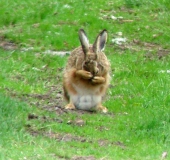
[{"x": 85, "y": 90}]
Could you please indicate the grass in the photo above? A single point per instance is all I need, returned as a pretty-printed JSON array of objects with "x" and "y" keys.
[{"x": 138, "y": 124}]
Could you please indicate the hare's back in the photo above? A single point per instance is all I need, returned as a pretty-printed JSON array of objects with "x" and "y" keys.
[{"x": 75, "y": 59}]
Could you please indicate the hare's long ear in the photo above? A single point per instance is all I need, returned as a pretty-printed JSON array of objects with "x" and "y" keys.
[
  {"x": 100, "y": 42},
  {"x": 84, "y": 41}
]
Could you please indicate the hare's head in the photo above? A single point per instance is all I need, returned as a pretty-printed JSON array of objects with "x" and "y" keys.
[{"x": 91, "y": 52}]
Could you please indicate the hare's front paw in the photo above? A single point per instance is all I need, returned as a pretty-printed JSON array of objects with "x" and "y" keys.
[
  {"x": 70, "y": 106},
  {"x": 98, "y": 80},
  {"x": 84, "y": 74}
]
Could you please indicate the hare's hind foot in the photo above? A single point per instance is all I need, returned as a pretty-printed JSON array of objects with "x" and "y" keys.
[
  {"x": 84, "y": 74},
  {"x": 70, "y": 106},
  {"x": 102, "y": 108}
]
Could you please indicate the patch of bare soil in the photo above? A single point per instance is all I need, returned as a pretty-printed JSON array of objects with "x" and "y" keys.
[
  {"x": 105, "y": 142},
  {"x": 57, "y": 136},
  {"x": 60, "y": 137},
  {"x": 7, "y": 45},
  {"x": 32, "y": 116},
  {"x": 67, "y": 137},
  {"x": 160, "y": 53},
  {"x": 83, "y": 158},
  {"x": 51, "y": 101},
  {"x": 152, "y": 50}
]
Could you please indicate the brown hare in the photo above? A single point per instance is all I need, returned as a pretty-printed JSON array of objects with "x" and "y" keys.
[{"x": 86, "y": 75}]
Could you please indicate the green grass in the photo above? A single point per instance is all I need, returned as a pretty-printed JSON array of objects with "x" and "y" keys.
[{"x": 138, "y": 124}]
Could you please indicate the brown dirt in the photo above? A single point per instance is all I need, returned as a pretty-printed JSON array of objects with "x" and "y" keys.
[
  {"x": 66, "y": 137},
  {"x": 57, "y": 136},
  {"x": 152, "y": 50},
  {"x": 7, "y": 45},
  {"x": 83, "y": 158}
]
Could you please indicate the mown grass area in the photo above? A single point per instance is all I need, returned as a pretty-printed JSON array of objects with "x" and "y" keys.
[{"x": 138, "y": 123}]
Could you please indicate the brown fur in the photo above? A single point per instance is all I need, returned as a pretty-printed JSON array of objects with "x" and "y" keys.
[{"x": 94, "y": 77}]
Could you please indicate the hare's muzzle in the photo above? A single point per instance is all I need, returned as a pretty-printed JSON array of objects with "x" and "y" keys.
[{"x": 91, "y": 66}]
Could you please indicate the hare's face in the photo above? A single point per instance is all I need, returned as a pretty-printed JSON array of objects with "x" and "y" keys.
[
  {"x": 91, "y": 51},
  {"x": 90, "y": 64}
]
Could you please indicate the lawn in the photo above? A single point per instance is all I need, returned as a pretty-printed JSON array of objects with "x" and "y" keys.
[{"x": 34, "y": 124}]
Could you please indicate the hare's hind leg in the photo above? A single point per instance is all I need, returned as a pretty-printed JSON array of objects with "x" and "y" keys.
[
  {"x": 101, "y": 108},
  {"x": 70, "y": 106},
  {"x": 68, "y": 87}
]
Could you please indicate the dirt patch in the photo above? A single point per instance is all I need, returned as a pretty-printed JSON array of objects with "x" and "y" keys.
[
  {"x": 105, "y": 142},
  {"x": 152, "y": 50},
  {"x": 83, "y": 158},
  {"x": 137, "y": 45},
  {"x": 32, "y": 116},
  {"x": 44, "y": 118},
  {"x": 7, "y": 45},
  {"x": 103, "y": 128},
  {"x": 77, "y": 122},
  {"x": 161, "y": 53},
  {"x": 52, "y": 101},
  {"x": 57, "y": 136},
  {"x": 67, "y": 137}
]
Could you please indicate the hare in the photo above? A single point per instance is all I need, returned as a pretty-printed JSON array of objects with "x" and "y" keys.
[{"x": 86, "y": 75}]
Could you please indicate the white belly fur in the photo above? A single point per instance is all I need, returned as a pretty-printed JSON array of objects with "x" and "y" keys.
[
  {"x": 86, "y": 102},
  {"x": 86, "y": 99}
]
